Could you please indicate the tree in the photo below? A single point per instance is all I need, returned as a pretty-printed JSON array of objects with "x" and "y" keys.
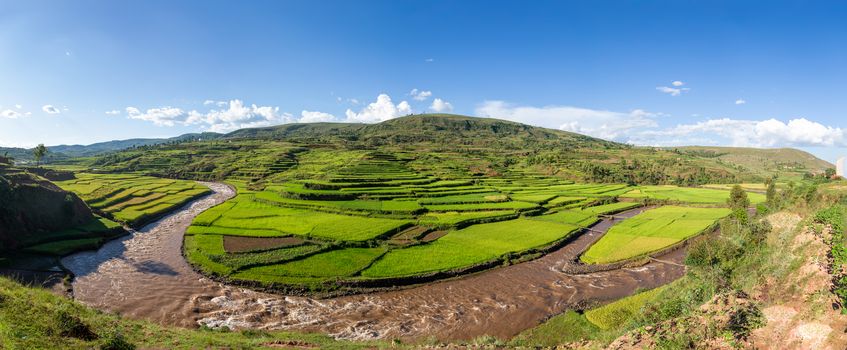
[
  {"x": 829, "y": 172},
  {"x": 39, "y": 152},
  {"x": 771, "y": 193},
  {"x": 738, "y": 202}
]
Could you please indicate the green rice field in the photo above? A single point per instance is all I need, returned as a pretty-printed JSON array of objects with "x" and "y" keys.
[
  {"x": 359, "y": 217},
  {"x": 651, "y": 231},
  {"x": 132, "y": 199}
]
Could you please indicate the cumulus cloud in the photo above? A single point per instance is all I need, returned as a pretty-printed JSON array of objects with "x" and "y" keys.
[
  {"x": 740, "y": 101},
  {"x": 237, "y": 115},
  {"x": 439, "y": 105},
  {"x": 677, "y": 83},
  {"x": 113, "y": 112},
  {"x": 162, "y": 116},
  {"x": 672, "y": 91},
  {"x": 50, "y": 109},
  {"x": 381, "y": 110},
  {"x": 799, "y": 132},
  {"x": 420, "y": 95},
  {"x": 599, "y": 123},
  {"x": 315, "y": 117},
  {"x": 234, "y": 115},
  {"x": 10, "y": 114},
  {"x": 18, "y": 106}
]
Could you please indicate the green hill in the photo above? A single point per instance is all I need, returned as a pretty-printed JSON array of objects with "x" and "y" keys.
[
  {"x": 451, "y": 144},
  {"x": 763, "y": 160}
]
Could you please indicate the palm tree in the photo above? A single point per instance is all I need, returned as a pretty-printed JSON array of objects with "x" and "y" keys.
[{"x": 39, "y": 152}]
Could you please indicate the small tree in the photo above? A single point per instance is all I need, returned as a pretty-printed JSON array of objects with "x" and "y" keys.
[
  {"x": 771, "y": 193},
  {"x": 829, "y": 172},
  {"x": 39, "y": 152},
  {"x": 739, "y": 203}
]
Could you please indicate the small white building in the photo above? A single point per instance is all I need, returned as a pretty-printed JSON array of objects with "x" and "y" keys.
[{"x": 839, "y": 167}]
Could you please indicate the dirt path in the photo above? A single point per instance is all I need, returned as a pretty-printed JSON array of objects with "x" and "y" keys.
[{"x": 145, "y": 276}]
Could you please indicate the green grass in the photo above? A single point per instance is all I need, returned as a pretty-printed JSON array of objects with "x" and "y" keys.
[
  {"x": 473, "y": 245},
  {"x": 569, "y": 326},
  {"x": 651, "y": 231},
  {"x": 611, "y": 208},
  {"x": 573, "y": 217},
  {"x": 87, "y": 236},
  {"x": 132, "y": 199},
  {"x": 335, "y": 263},
  {"x": 687, "y": 195},
  {"x": 617, "y": 313},
  {"x": 65, "y": 247}
]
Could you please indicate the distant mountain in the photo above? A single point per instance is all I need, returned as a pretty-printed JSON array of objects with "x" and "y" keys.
[
  {"x": 117, "y": 145},
  {"x": 63, "y": 152}
]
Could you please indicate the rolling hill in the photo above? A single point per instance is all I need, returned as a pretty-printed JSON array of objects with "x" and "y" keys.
[{"x": 454, "y": 144}]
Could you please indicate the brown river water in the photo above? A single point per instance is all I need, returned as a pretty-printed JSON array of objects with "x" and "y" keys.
[{"x": 144, "y": 275}]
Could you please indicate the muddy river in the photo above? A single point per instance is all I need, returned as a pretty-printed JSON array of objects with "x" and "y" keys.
[{"x": 144, "y": 275}]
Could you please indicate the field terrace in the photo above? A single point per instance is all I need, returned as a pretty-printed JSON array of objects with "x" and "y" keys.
[
  {"x": 375, "y": 220},
  {"x": 132, "y": 199}
]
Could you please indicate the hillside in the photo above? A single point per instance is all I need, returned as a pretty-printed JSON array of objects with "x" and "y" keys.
[
  {"x": 31, "y": 205},
  {"x": 439, "y": 143},
  {"x": 763, "y": 160}
]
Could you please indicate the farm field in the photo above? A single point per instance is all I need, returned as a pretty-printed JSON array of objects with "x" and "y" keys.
[
  {"x": 385, "y": 218},
  {"x": 132, "y": 199},
  {"x": 690, "y": 195},
  {"x": 651, "y": 231}
]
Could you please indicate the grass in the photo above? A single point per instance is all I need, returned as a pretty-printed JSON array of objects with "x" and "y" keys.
[
  {"x": 687, "y": 195},
  {"x": 617, "y": 313},
  {"x": 250, "y": 218},
  {"x": 132, "y": 199},
  {"x": 473, "y": 245},
  {"x": 573, "y": 217},
  {"x": 335, "y": 263},
  {"x": 651, "y": 231}
]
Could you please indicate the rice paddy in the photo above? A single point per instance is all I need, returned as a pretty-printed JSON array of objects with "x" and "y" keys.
[
  {"x": 132, "y": 199},
  {"x": 336, "y": 220},
  {"x": 651, "y": 231}
]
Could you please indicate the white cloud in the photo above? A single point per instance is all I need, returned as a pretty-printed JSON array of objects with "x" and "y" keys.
[
  {"x": 381, "y": 110},
  {"x": 208, "y": 102},
  {"x": 420, "y": 95},
  {"x": 600, "y": 123},
  {"x": 799, "y": 132},
  {"x": 740, "y": 101},
  {"x": 428, "y": 60},
  {"x": 18, "y": 106},
  {"x": 163, "y": 116},
  {"x": 49, "y": 109},
  {"x": 238, "y": 116},
  {"x": 672, "y": 91},
  {"x": 113, "y": 112},
  {"x": 677, "y": 83},
  {"x": 439, "y": 105},
  {"x": 315, "y": 117},
  {"x": 11, "y": 114}
]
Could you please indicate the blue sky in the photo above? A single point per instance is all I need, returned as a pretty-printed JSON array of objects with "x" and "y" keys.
[{"x": 746, "y": 73}]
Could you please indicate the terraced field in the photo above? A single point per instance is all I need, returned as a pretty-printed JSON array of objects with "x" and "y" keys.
[
  {"x": 686, "y": 195},
  {"x": 350, "y": 219},
  {"x": 132, "y": 199},
  {"x": 651, "y": 231},
  {"x": 377, "y": 217}
]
